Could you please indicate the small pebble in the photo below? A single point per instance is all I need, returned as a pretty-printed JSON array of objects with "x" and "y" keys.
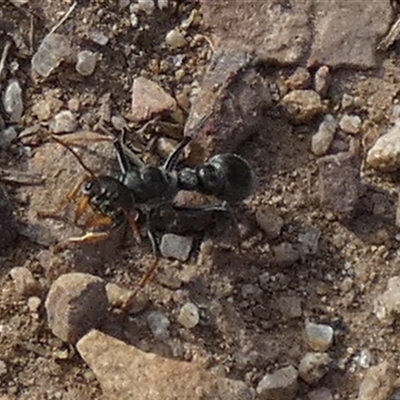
[
  {"x": 25, "y": 283},
  {"x": 321, "y": 140},
  {"x": 365, "y": 359},
  {"x": 44, "y": 109},
  {"x": 189, "y": 316},
  {"x": 350, "y": 124},
  {"x": 163, "y": 4},
  {"x": 281, "y": 385},
  {"x": 159, "y": 324},
  {"x": 300, "y": 79},
  {"x": 290, "y": 307},
  {"x": 175, "y": 39},
  {"x": 146, "y": 6},
  {"x": 134, "y": 20},
  {"x": 285, "y": 254},
  {"x": 12, "y": 101},
  {"x": 86, "y": 62},
  {"x": 320, "y": 394},
  {"x": 384, "y": 155},
  {"x": 387, "y": 305},
  {"x": 99, "y": 37},
  {"x": 52, "y": 51},
  {"x": 175, "y": 246},
  {"x": 313, "y": 366},
  {"x": 309, "y": 241},
  {"x": 3, "y": 369},
  {"x": 63, "y": 122},
  {"x": 303, "y": 105},
  {"x": 347, "y": 101},
  {"x": 125, "y": 299},
  {"x": 318, "y": 336},
  {"x": 73, "y": 105},
  {"x": 251, "y": 292},
  {"x": 34, "y": 303},
  {"x": 322, "y": 80},
  {"x": 7, "y": 136},
  {"x": 270, "y": 222}
]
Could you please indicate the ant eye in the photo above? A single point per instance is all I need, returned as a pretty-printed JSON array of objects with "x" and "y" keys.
[{"x": 88, "y": 186}]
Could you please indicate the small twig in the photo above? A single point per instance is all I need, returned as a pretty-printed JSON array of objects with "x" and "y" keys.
[
  {"x": 4, "y": 58},
  {"x": 64, "y": 18}
]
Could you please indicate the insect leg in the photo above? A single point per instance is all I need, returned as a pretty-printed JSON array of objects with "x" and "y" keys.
[
  {"x": 172, "y": 160},
  {"x": 70, "y": 197}
]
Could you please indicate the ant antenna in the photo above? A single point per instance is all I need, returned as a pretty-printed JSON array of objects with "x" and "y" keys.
[{"x": 75, "y": 154}]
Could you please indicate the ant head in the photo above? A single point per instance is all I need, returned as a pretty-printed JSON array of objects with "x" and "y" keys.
[{"x": 92, "y": 187}]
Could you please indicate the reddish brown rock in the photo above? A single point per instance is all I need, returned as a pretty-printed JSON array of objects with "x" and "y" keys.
[
  {"x": 221, "y": 119},
  {"x": 149, "y": 99},
  {"x": 76, "y": 303},
  {"x": 347, "y": 32},
  {"x": 278, "y": 31},
  {"x": 125, "y": 372}
]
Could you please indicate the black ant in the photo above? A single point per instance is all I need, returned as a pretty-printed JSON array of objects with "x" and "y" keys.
[{"x": 141, "y": 188}]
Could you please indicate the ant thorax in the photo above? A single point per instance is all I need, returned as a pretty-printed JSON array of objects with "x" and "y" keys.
[{"x": 150, "y": 185}]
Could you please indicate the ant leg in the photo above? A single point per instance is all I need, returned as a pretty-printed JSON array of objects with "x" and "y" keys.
[
  {"x": 149, "y": 274},
  {"x": 126, "y": 157},
  {"x": 90, "y": 237},
  {"x": 172, "y": 160},
  {"x": 132, "y": 221},
  {"x": 70, "y": 197},
  {"x": 147, "y": 277}
]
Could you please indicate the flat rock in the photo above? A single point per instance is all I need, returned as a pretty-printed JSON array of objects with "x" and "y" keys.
[
  {"x": 378, "y": 382},
  {"x": 281, "y": 385},
  {"x": 8, "y": 224},
  {"x": 61, "y": 173},
  {"x": 340, "y": 182},
  {"x": 384, "y": 155},
  {"x": 75, "y": 304},
  {"x": 275, "y": 31},
  {"x": 221, "y": 120},
  {"x": 127, "y": 373},
  {"x": 149, "y": 100},
  {"x": 346, "y": 32}
]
